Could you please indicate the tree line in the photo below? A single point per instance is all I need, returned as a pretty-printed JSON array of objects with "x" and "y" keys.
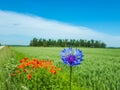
[{"x": 67, "y": 43}]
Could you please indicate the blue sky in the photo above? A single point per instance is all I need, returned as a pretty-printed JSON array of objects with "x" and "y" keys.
[{"x": 96, "y": 16}]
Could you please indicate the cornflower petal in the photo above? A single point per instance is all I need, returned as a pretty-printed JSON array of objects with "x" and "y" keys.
[{"x": 71, "y": 58}]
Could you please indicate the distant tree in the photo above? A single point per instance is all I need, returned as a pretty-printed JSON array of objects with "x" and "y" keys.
[
  {"x": 81, "y": 42},
  {"x": 34, "y": 42},
  {"x": 73, "y": 42},
  {"x": 88, "y": 43},
  {"x": 59, "y": 42},
  {"x": 49, "y": 42},
  {"x": 103, "y": 45},
  {"x": 96, "y": 44},
  {"x": 76, "y": 44},
  {"x": 85, "y": 43},
  {"x": 67, "y": 43},
  {"x": 44, "y": 43},
  {"x": 70, "y": 43},
  {"x": 31, "y": 43},
  {"x": 92, "y": 43},
  {"x": 40, "y": 42},
  {"x": 54, "y": 42},
  {"x": 0, "y": 44}
]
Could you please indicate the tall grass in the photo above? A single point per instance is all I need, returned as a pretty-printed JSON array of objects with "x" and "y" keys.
[
  {"x": 100, "y": 69},
  {"x": 8, "y": 61},
  {"x": 5, "y": 56}
]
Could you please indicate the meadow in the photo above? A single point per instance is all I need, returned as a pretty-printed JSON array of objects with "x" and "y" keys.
[{"x": 100, "y": 69}]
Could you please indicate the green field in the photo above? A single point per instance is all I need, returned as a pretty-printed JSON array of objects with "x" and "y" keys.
[{"x": 100, "y": 69}]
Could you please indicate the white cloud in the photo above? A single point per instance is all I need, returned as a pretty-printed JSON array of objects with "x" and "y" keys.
[{"x": 13, "y": 24}]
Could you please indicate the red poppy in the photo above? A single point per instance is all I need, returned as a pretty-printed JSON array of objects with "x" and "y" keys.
[
  {"x": 53, "y": 71},
  {"x": 29, "y": 76}
]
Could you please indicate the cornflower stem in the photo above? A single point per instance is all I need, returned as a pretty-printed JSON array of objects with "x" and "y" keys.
[{"x": 70, "y": 75}]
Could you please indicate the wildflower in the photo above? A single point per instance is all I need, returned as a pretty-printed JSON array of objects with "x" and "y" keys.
[
  {"x": 33, "y": 66},
  {"x": 28, "y": 66},
  {"x": 53, "y": 67},
  {"x": 29, "y": 76},
  {"x": 72, "y": 58},
  {"x": 23, "y": 60},
  {"x": 21, "y": 66},
  {"x": 40, "y": 64},
  {"x": 53, "y": 71},
  {"x": 45, "y": 66}
]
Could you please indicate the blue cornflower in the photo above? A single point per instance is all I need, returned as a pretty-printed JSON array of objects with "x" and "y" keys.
[{"x": 71, "y": 57}]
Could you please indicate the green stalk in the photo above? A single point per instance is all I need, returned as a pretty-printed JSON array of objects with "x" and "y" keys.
[{"x": 70, "y": 75}]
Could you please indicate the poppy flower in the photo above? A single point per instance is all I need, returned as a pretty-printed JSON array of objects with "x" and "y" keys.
[
  {"x": 29, "y": 76},
  {"x": 53, "y": 71}
]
